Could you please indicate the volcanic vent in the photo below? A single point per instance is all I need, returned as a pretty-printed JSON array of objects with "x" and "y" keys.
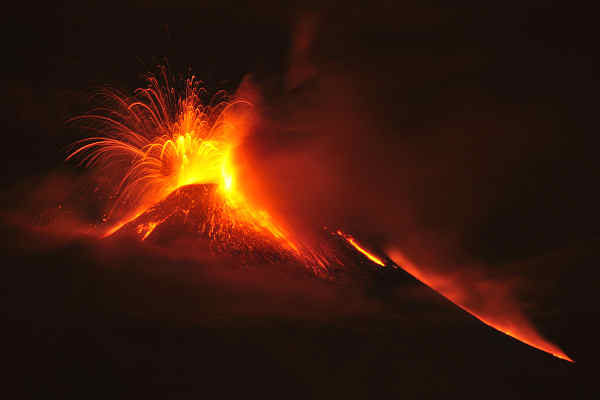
[{"x": 199, "y": 214}]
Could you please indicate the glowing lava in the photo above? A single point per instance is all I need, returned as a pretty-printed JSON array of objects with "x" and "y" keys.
[
  {"x": 511, "y": 322},
  {"x": 159, "y": 141},
  {"x": 361, "y": 249}
]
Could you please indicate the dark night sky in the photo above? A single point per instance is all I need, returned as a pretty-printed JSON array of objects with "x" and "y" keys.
[{"x": 468, "y": 131}]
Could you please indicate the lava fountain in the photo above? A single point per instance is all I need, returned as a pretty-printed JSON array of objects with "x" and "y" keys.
[{"x": 161, "y": 142}]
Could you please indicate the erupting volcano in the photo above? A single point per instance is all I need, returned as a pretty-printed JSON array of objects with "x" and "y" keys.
[
  {"x": 174, "y": 153},
  {"x": 164, "y": 142}
]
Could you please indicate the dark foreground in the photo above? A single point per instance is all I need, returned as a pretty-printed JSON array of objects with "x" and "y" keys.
[{"x": 85, "y": 319}]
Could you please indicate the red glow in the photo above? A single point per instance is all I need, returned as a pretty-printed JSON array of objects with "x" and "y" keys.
[{"x": 510, "y": 322}]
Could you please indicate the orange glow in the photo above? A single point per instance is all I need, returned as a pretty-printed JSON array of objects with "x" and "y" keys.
[
  {"x": 510, "y": 322},
  {"x": 361, "y": 249},
  {"x": 159, "y": 142}
]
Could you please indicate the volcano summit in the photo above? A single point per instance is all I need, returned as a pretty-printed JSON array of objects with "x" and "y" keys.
[{"x": 198, "y": 212}]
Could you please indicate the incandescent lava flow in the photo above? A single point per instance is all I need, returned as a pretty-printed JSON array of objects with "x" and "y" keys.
[{"x": 175, "y": 158}]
